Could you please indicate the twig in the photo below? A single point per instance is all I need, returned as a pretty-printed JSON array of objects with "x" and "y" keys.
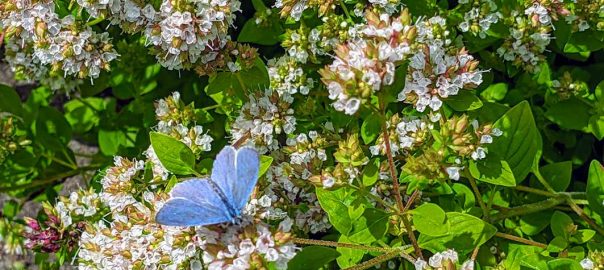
[
  {"x": 49, "y": 180},
  {"x": 397, "y": 194},
  {"x": 530, "y": 208},
  {"x": 338, "y": 244},
  {"x": 582, "y": 215},
  {"x": 380, "y": 259},
  {"x": 520, "y": 239},
  {"x": 411, "y": 200},
  {"x": 485, "y": 212}
]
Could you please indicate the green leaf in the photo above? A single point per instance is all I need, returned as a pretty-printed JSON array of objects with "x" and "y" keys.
[
  {"x": 464, "y": 101},
  {"x": 342, "y": 207},
  {"x": 564, "y": 264},
  {"x": 240, "y": 82},
  {"x": 10, "y": 209},
  {"x": 586, "y": 41},
  {"x": 562, "y": 225},
  {"x": 348, "y": 257},
  {"x": 176, "y": 156},
  {"x": 371, "y": 128},
  {"x": 571, "y": 114},
  {"x": 493, "y": 170},
  {"x": 10, "y": 101},
  {"x": 83, "y": 114},
  {"x": 521, "y": 144},
  {"x": 370, "y": 227},
  {"x": 266, "y": 33},
  {"x": 465, "y": 233},
  {"x": 558, "y": 175},
  {"x": 535, "y": 223},
  {"x": 430, "y": 219},
  {"x": 495, "y": 92},
  {"x": 265, "y": 164},
  {"x": 312, "y": 257},
  {"x": 371, "y": 172},
  {"x": 595, "y": 187},
  {"x": 557, "y": 244},
  {"x": 582, "y": 236},
  {"x": 110, "y": 141},
  {"x": 52, "y": 130}
]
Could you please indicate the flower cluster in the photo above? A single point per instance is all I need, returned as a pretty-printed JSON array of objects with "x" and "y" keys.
[
  {"x": 11, "y": 240},
  {"x": 586, "y": 14},
  {"x": 435, "y": 74},
  {"x": 248, "y": 245},
  {"x": 480, "y": 17},
  {"x": 51, "y": 235},
  {"x": 186, "y": 32},
  {"x": 266, "y": 114},
  {"x": 131, "y": 16},
  {"x": 405, "y": 133},
  {"x": 566, "y": 87},
  {"x": 41, "y": 43},
  {"x": 118, "y": 187},
  {"x": 446, "y": 260},
  {"x": 80, "y": 205},
  {"x": 132, "y": 240},
  {"x": 294, "y": 8},
  {"x": 287, "y": 77},
  {"x": 364, "y": 66},
  {"x": 530, "y": 33},
  {"x": 593, "y": 261},
  {"x": 11, "y": 138},
  {"x": 177, "y": 120},
  {"x": 183, "y": 32}
]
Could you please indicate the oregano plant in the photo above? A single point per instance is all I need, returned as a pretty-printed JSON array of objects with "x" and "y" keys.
[{"x": 414, "y": 134}]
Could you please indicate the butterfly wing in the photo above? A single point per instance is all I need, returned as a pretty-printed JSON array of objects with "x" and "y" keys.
[
  {"x": 193, "y": 203},
  {"x": 235, "y": 172},
  {"x": 248, "y": 164}
]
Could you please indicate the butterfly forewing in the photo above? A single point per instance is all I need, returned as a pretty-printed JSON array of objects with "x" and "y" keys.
[
  {"x": 235, "y": 172},
  {"x": 193, "y": 203},
  {"x": 248, "y": 164}
]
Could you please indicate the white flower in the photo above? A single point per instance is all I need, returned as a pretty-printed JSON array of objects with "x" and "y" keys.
[
  {"x": 420, "y": 264},
  {"x": 468, "y": 265},
  {"x": 587, "y": 264},
  {"x": 453, "y": 172}
]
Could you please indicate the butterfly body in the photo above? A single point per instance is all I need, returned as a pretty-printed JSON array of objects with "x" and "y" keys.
[{"x": 221, "y": 198}]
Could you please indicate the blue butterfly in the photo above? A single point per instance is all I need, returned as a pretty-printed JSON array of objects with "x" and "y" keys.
[{"x": 199, "y": 202}]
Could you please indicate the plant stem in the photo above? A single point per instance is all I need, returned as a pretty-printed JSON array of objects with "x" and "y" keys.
[
  {"x": 520, "y": 239},
  {"x": 49, "y": 180},
  {"x": 530, "y": 208},
  {"x": 240, "y": 80},
  {"x": 396, "y": 187},
  {"x": 535, "y": 191},
  {"x": 395, "y": 184},
  {"x": 343, "y": 5},
  {"x": 380, "y": 259},
  {"x": 211, "y": 107},
  {"x": 411, "y": 200},
  {"x": 542, "y": 180},
  {"x": 485, "y": 211},
  {"x": 582, "y": 215},
  {"x": 315, "y": 242},
  {"x": 95, "y": 21}
]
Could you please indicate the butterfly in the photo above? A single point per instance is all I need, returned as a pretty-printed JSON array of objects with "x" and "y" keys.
[{"x": 218, "y": 199}]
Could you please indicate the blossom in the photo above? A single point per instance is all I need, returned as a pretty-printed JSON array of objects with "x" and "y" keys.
[
  {"x": 264, "y": 116},
  {"x": 42, "y": 43},
  {"x": 405, "y": 133},
  {"x": 435, "y": 74}
]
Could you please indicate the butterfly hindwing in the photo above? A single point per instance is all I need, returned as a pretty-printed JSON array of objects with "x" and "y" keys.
[{"x": 193, "y": 203}]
